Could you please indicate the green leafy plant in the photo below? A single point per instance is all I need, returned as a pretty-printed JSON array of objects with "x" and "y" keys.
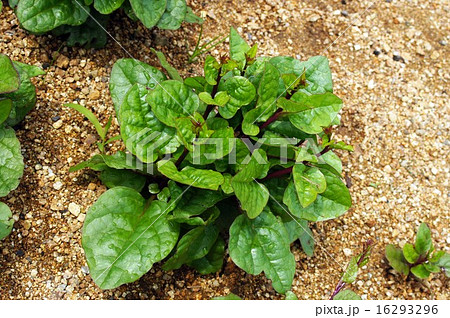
[
  {"x": 17, "y": 98},
  {"x": 350, "y": 274},
  {"x": 420, "y": 259},
  {"x": 85, "y": 20},
  {"x": 244, "y": 152}
]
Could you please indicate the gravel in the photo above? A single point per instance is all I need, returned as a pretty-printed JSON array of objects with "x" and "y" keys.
[{"x": 396, "y": 115}]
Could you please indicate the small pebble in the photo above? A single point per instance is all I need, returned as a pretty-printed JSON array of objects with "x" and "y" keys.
[
  {"x": 58, "y": 185},
  {"x": 344, "y": 13},
  {"x": 74, "y": 209}
]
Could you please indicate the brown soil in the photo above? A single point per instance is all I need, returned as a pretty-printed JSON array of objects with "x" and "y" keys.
[{"x": 396, "y": 115}]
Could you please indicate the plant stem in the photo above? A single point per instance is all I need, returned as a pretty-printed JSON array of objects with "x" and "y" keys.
[
  {"x": 209, "y": 108},
  {"x": 277, "y": 174},
  {"x": 181, "y": 158},
  {"x": 271, "y": 119}
]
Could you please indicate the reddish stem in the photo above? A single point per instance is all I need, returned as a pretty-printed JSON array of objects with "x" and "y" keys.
[
  {"x": 277, "y": 174},
  {"x": 271, "y": 119}
]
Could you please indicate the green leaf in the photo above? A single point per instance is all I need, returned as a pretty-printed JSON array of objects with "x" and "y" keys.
[
  {"x": 122, "y": 239},
  {"x": 220, "y": 143},
  {"x": 410, "y": 253},
  {"x": 241, "y": 92},
  {"x": 174, "y": 15},
  {"x": 107, "y": 6},
  {"x": 122, "y": 178},
  {"x": 299, "y": 229},
  {"x": 252, "y": 195},
  {"x": 149, "y": 12},
  {"x": 351, "y": 272},
  {"x": 194, "y": 245},
  {"x": 308, "y": 181},
  {"x": 230, "y": 296},
  {"x": 9, "y": 77},
  {"x": 211, "y": 70},
  {"x": 333, "y": 160},
  {"x": 11, "y": 161},
  {"x": 423, "y": 239},
  {"x": 420, "y": 271},
  {"x": 5, "y": 109},
  {"x": 347, "y": 294},
  {"x": 262, "y": 244},
  {"x": 6, "y": 221},
  {"x": 27, "y": 71},
  {"x": 191, "y": 17},
  {"x": 332, "y": 203},
  {"x": 444, "y": 262},
  {"x": 211, "y": 262},
  {"x": 205, "y": 179},
  {"x": 291, "y": 296},
  {"x": 173, "y": 73},
  {"x": 318, "y": 75},
  {"x": 91, "y": 117},
  {"x": 436, "y": 256},
  {"x": 44, "y": 15},
  {"x": 221, "y": 98},
  {"x": 431, "y": 268},
  {"x": 143, "y": 134},
  {"x": 127, "y": 72},
  {"x": 318, "y": 111},
  {"x": 238, "y": 47},
  {"x": 172, "y": 99},
  {"x": 396, "y": 259}
]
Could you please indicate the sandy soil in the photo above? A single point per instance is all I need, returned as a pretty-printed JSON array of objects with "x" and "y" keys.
[{"x": 390, "y": 65}]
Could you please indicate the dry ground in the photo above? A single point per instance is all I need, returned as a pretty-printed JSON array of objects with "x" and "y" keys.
[{"x": 396, "y": 115}]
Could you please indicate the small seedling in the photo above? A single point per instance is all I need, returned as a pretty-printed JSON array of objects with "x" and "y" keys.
[
  {"x": 350, "y": 274},
  {"x": 206, "y": 47},
  {"x": 420, "y": 259}
]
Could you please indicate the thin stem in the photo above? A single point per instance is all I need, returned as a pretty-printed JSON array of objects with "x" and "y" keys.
[
  {"x": 181, "y": 158},
  {"x": 274, "y": 117},
  {"x": 209, "y": 108},
  {"x": 277, "y": 174}
]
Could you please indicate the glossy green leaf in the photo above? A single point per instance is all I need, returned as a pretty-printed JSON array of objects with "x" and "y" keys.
[
  {"x": 423, "y": 239},
  {"x": 211, "y": 262},
  {"x": 252, "y": 195},
  {"x": 5, "y": 109},
  {"x": 230, "y": 296},
  {"x": 122, "y": 239},
  {"x": 444, "y": 262},
  {"x": 143, "y": 134},
  {"x": 107, "y": 6},
  {"x": 11, "y": 161},
  {"x": 318, "y": 111},
  {"x": 308, "y": 181},
  {"x": 9, "y": 77},
  {"x": 241, "y": 92},
  {"x": 199, "y": 178},
  {"x": 396, "y": 259},
  {"x": 298, "y": 229},
  {"x": 420, "y": 271},
  {"x": 149, "y": 12},
  {"x": 410, "y": 253},
  {"x": 351, "y": 271},
  {"x": 127, "y": 72},
  {"x": 44, "y": 15},
  {"x": 172, "y": 99},
  {"x": 238, "y": 47},
  {"x": 174, "y": 15},
  {"x": 211, "y": 70},
  {"x": 332, "y": 203},
  {"x": 347, "y": 294},
  {"x": 122, "y": 178},
  {"x": 291, "y": 296},
  {"x": 6, "y": 220},
  {"x": 262, "y": 244},
  {"x": 431, "y": 268},
  {"x": 194, "y": 245}
]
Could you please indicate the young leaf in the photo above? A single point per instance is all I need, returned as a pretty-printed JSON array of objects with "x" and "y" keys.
[
  {"x": 5, "y": 109},
  {"x": 396, "y": 259},
  {"x": 238, "y": 47},
  {"x": 308, "y": 181},
  {"x": 91, "y": 117},
  {"x": 122, "y": 178},
  {"x": 299, "y": 229},
  {"x": 211, "y": 70},
  {"x": 119, "y": 255},
  {"x": 230, "y": 296},
  {"x": 410, "y": 253},
  {"x": 351, "y": 272},
  {"x": 173, "y": 73},
  {"x": 262, "y": 244},
  {"x": 11, "y": 161},
  {"x": 291, "y": 296},
  {"x": 6, "y": 220},
  {"x": 423, "y": 239},
  {"x": 347, "y": 294},
  {"x": 420, "y": 271},
  {"x": 172, "y": 99},
  {"x": 9, "y": 77},
  {"x": 252, "y": 195},
  {"x": 241, "y": 92},
  {"x": 444, "y": 263},
  {"x": 107, "y": 6},
  {"x": 204, "y": 179}
]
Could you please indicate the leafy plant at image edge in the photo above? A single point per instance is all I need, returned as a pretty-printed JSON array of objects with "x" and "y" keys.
[
  {"x": 420, "y": 259},
  {"x": 177, "y": 196},
  {"x": 17, "y": 98},
  {"x": 85, "y": 20}
]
